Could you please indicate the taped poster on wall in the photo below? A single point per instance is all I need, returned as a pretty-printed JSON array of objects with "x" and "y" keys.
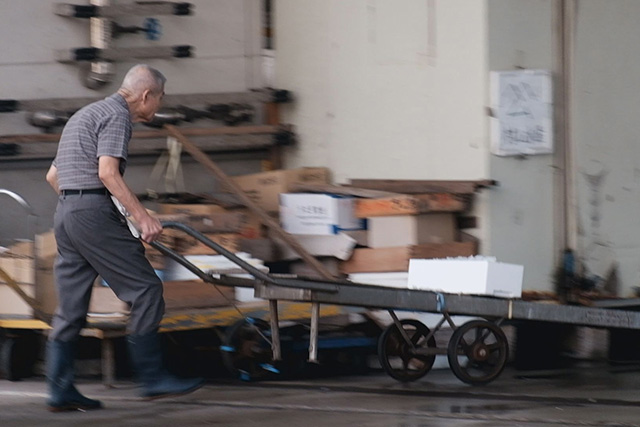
[{"x": 522, "y": 119}]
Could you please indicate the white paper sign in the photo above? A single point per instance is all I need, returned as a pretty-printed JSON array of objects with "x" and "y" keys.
[{"x": 522, "y": 121}]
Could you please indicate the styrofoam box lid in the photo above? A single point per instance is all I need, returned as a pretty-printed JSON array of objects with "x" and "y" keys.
[{"x": 467, "y": 276}]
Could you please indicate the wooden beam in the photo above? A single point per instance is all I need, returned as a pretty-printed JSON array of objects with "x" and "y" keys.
[
  {"x": 169, "y": 100},
  {"x": 411, "y": 205},
  {"x": 201, "y": 157},
  {"x": 84, "y": 54},
  {"x": 337, "y": 189},
  {"x": 149, "y": 134},
  {"x": 422, "y": 186},
  {"x": 114, "y": 11}
]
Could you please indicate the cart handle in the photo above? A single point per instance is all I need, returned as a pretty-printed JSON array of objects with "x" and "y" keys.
[
  {"x": 260, "y": 275},
  {"x": 213, "y": 245}
]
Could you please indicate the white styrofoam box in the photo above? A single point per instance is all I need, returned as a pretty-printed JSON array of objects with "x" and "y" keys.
[
  {"x": 210, "y": 263},
  {"x": 306, "y": 213},
  {"x": 393, "y": 279},
  {"x": 246, "y": 295},
  {"x": 467, "y": 276}
]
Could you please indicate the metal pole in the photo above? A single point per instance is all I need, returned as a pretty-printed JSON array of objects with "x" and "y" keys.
[
  {"x": 313, "y": 339},
  {"x": 275, "y": 330},
  {"x": 108, "y": 367}
]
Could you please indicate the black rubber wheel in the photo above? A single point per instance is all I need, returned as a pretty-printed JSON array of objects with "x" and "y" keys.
[
  {"x": 245, "y": 352},
  {"x": 18, "y": 355},
  {"x": 8, "y": 360},
  {"x": 398, "y": 358},
  {"x": 478, "y": 352}
]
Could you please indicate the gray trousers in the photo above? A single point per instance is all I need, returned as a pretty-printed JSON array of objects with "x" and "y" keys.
[{"x": 93, "y": 239}]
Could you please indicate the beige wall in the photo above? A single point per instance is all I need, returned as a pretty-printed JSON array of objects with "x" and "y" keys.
[
  {"x": 606, "y": 138},
  {"x": 521, "y": 209},
  {"x": 385, "y": 89}
]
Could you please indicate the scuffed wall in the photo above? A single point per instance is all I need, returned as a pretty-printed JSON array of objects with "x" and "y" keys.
[
  {"x": 606, "y": 135},
  {"x": 520, "y": 210}
]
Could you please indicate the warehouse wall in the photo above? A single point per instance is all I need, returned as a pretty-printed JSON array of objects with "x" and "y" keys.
[
  {"x": 401, "y": 90},
  {"x": 521, "y": 209},
  {"x": 226, "y": 37},
  {"x": 385, "y": 89},
  {"x": 606, "y": 135}
]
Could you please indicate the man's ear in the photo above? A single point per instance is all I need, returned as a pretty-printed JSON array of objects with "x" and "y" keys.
[{"x": 145, "y": 95}]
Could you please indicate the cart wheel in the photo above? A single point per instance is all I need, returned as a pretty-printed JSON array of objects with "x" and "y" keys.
[
  {"x": 398, "y": 358},
  {"x": 18, "y": 355},
  {"x": 478, "y": 352},
  {"x": 245, "y": 352}
]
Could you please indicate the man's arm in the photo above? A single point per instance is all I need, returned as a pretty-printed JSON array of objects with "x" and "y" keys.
[
  {"x": 109, "y": 173},
  {"x": 52, "y": 178}
]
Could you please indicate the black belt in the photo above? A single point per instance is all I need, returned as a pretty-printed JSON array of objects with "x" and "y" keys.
[{"x": 102, "y": 191}]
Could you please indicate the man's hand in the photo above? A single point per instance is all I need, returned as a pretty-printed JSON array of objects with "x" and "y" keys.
[
  {"x": 150, "y": 229},
  {"x": 52, "y": 178},
  {"x": 109, "y": 173}
]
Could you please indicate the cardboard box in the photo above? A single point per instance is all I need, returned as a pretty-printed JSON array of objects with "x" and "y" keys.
[
  {"x": 20, "y": 268},
  {"x": 46, "y": 293},
  {"x": 301, "y": 268},
  {"x": 177, "y": 295},
  {"x": 12, "y": 304},
  {"x": 318, "y": 214},
  {"x": 104, "y": 301},
  {"x": 22, "y": 248},
  {"x": 263, "y": 249},
  {"x": 191, "y": 209},
  {"x": 372, "y": 260},
  {"x": 404, "y": 230},
  {"x": 191, "y": 246},
  {"x": 467, "y": 276},
  {"x": 338, "y": 246},
  {"x": 239, "y": 221},
  {"x": 264, "y": 188},
  {"x": 46, "y": 246}
]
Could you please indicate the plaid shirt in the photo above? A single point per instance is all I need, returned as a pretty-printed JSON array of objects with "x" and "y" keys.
[{"x": 99, "y": 129}]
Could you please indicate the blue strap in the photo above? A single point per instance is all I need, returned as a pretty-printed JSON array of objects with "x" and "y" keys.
[{"x": 441, "y": 304}]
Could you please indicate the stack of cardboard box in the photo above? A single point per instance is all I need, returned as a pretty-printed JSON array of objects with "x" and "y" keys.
[
  {"x": 393, "y": 239},
  {"x": 363, "y": 229},
  {"x": 324, "y": 224},
  {"x": 18, "y": 262},
  {"x": 32, "y": 269},
  {"x": 406, "y": 226},
  {"x": 222, "y": 226}
]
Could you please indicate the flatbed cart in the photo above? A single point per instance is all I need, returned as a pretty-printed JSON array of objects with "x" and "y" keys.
[
  {"x": 477, "y": 350},
  {"x": 18, "y": 335}
]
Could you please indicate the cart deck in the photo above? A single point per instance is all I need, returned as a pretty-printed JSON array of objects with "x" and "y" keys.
[{"x": 477, "y": 351}]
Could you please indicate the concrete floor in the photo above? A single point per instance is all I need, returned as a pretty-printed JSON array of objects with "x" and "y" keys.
[{"x": 589, "y": 395}]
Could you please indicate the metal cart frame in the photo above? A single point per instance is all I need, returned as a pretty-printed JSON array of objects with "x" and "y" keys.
[{"x": 477, "y": 351}]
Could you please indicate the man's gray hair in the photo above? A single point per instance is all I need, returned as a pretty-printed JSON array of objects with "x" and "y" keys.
[{"x": 142, "y": 77}]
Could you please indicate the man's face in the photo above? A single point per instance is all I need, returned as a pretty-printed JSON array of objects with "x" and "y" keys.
[{"x": 150, "y": 105}]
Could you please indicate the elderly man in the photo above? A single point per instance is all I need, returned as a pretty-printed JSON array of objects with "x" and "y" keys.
[{"x": 93, "y": 239}]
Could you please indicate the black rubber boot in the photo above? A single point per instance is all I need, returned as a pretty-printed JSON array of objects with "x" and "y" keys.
[
  {"x": 155, "y": 380},
  {"x": 63, "y": 395}
]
